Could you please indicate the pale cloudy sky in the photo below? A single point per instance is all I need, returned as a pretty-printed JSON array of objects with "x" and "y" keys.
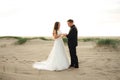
[{"x": 37, "y": 17}]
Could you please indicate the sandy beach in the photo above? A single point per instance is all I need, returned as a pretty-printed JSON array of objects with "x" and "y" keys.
[{"x": 95, "y": 63}]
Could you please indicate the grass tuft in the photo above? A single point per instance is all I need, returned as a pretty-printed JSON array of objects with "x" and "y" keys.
[
  {"x": 21, "y": 41},
  {"x": 108, "y": 42},
  {"x": 88, "y": 39},
  {"x": 43, "y": 38},
  {"x": 65, "y": 40}
]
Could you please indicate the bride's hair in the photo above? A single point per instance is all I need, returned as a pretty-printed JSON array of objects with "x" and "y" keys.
[{"x": 56, "y": 26}]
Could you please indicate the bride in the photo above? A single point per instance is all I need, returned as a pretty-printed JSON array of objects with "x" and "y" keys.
[{"x": 57, "y": 59}]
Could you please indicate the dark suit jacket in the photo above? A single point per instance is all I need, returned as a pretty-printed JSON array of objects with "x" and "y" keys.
[{"x": 73, "y": 37}]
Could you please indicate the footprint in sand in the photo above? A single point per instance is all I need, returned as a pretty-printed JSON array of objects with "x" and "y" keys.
[
  {"x": 97, "y": 69},
  {"x": 102, "y": 73},
  {"x": 1, "y": 78},
  {"x": 108, "y": 59},
  {"x": 25, "y": 62},
  {"x": 81, "y": 62},
  {"x": 3, "y": 61},
  {"x": 14, "y": 58},
  {"x": 118, "y": 78},
  {"x": 114, "y": 71},
  {"x": 3, "y": 45},
  {"x": 83, "y": 73},
  {"x": 2, "y": 56}
]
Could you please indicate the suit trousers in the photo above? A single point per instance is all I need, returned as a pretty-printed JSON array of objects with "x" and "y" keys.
[{"x": 74, "y": 58}]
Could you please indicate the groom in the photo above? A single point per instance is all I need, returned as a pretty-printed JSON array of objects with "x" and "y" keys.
[{"x": 72, "y": 43}]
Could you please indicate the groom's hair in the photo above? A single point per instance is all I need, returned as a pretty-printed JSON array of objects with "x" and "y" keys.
[{"x": 70, "y": 20}]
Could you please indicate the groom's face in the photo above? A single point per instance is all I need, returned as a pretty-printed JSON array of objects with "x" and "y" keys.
[{"x": 70, "y": 24}]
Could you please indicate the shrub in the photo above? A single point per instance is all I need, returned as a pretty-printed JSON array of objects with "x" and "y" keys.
[
  {"x": 108, "y": 42},
  {"x": 21, "y": 41},
  {"x": 65, "y": 40}
]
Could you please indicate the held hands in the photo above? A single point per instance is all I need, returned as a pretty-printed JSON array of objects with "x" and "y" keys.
[{"x": 63, "y": 35}]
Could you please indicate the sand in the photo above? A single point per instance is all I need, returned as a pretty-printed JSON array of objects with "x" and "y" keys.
[{"x": 95, "y": 63}]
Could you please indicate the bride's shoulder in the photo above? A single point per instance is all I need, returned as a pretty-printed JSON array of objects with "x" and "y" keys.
[{"x": 54, "y": 31}]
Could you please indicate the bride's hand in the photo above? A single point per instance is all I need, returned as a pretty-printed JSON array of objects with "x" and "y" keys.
[{"x": 62, "y": 35}]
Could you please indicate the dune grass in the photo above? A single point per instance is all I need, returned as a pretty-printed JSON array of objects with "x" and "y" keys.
[
  {"x": 99, "y": 41},
  {"x": 102, "y": 42},
  {"x": 88, "y": 39},
  {"x": 22, "y": 40},
  {"x": 65, "y": 40},
  {"x": 14, "y": 37},
  {"x": 108, "y": 42},
  {"x": 46, "y": 39}
]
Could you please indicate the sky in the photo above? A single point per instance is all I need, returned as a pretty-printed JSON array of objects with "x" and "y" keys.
[{"x": 37, "y": 17}]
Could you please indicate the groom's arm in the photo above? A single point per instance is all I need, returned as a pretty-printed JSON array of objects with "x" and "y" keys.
[{"x": 72, "y": 34}]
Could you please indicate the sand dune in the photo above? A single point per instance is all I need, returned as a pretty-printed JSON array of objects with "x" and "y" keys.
[{"x": 95, "y": 63}]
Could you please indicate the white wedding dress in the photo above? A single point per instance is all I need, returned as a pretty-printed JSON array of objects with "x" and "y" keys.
[{"x": 57, "y": 59}]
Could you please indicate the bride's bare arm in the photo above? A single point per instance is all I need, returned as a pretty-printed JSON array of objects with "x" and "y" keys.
[{"x": 55, "y": 35}]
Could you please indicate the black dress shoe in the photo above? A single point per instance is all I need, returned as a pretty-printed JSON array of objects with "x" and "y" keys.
[
  {"x": 71, "y": 66},
  {"x": 76, "y": 66}
]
